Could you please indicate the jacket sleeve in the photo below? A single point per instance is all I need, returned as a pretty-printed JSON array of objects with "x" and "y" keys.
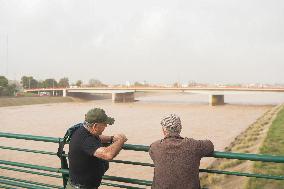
[
  {"x": 151, "y": 152},
  {"x": 205, "y": 147}
]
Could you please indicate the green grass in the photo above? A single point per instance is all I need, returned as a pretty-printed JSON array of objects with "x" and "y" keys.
[
  {"x": 20, "y": 101},
  {"x": 273, "y": 144},
  {"x": 246, "y": 142}
]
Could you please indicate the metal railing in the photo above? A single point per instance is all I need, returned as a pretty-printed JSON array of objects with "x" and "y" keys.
[{"x": 7, "y": 182}]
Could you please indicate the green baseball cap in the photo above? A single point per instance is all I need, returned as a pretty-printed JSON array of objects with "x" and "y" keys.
[{"x": 98, "y": 115}]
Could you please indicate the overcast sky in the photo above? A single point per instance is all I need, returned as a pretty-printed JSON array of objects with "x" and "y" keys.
[{"x": 158, "y": 41}]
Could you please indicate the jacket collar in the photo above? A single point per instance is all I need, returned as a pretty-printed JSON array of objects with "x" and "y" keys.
[{"x": 174, "y": 135}]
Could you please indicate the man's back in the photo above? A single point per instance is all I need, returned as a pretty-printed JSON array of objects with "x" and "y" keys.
[
  {"x": 84, "y": 167},
  {"x": 177, "y": 161}
]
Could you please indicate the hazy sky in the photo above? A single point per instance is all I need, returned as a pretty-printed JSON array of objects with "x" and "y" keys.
[{"x": 159, "y": 41}]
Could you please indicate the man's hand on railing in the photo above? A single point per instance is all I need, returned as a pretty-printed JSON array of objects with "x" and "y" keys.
[{"x": 121, "y": 137}]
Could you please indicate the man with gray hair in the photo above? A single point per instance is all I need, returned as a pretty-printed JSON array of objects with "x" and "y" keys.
[{"x": 177, "y": 159}]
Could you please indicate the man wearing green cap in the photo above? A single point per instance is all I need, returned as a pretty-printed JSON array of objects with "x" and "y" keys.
[{"x": 88, "y": 158}]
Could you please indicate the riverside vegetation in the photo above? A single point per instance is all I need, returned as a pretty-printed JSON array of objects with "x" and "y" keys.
[
  {"x": 264, "y": 136},
  {"x": 273, "y": 144},
  {"x": 20, "y": 101}
]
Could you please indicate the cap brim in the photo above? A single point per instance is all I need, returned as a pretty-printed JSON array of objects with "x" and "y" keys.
[{"x": 110, "y": 120}]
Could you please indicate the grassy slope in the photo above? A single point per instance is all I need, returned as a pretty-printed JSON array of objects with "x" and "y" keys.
[
  {"x": 273, "y": 144},
  {"x": 248, "y": 141},
  {"x": 19, "y": 101}
]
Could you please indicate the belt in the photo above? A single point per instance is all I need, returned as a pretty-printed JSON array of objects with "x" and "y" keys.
[{"x": 80, "y": 186}]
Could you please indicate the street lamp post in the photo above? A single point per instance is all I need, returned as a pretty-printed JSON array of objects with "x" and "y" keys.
[{"x": 53, "y": 87}]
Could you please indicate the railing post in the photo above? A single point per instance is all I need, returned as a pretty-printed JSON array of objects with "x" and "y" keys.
[{"x": 64, "y": 165}]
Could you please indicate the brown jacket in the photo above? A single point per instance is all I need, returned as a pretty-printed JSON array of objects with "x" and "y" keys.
[{"x": 177, "y": 161}]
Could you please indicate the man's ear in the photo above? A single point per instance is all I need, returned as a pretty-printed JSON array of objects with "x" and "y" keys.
[
  {"x": 94, "y": 126},
  {"x": 163, "y": 131}
]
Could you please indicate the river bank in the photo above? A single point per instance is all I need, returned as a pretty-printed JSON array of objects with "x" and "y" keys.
[
  {"x": 21, "y": 101},
  {"x": 274, "y": 145},
  {"x": 249, "y": 141},
  {"x": 32, "y": 99}
]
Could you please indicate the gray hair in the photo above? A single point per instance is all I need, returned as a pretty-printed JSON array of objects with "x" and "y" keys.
[
  {"x": 171, "y": 123},
  {"x": 87, "y": 124}
]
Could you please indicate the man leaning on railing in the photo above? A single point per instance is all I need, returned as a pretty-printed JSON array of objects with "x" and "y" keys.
[
  {"x": 88, "y": 158},
  {"x": 177, "y": 159}
]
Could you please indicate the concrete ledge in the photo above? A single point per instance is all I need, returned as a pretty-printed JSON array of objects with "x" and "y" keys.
[{"x": 64, "y": 93}]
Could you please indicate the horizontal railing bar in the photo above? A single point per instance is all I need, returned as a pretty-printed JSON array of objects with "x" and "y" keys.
[
  {"x": 30, "y": 137},
  {"x": 251, "y": 157},
  {"x": 66, "y": 171},
  {"x": 5, "y": 187},
  {"x": 128, "y": 180},
  {"x": 135, "y": 147},
  {"x": 142, "y": 182},
  {"x": 52, "y": 153},
  {"x": 120, "y": 186},
  {"x": 31, "y": 172},
  {"x": 274, "y": 177},
  {"x": 227, "y": 155},
  {"x": 27, "y": 150},
  {"x": 30, "y": 182},
  {"x": 216, "y": 154},
  {"x": 133, "y": 163},
  {"x": 116, "y": 161},
  {"x": 43, "y": 168},
  {"x": 13, "y": 183}
]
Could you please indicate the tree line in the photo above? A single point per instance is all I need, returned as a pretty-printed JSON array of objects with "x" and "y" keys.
[
  {"x": 8, "y": 88},
  {"x": 28, "y": 82}
]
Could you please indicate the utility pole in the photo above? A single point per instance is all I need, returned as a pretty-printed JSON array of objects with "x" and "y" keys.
[
  {"x": 53, "y": 87},
  {"x": 29, "y": 82},
  {"x": 7, "y": 55}
]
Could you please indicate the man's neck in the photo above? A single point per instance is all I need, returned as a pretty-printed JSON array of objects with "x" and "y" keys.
[
  {"x": 91, "y": 131},
  {"x": 169, "y": 135}
]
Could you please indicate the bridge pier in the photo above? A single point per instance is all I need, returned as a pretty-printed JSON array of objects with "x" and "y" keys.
[
  {"x": 215, "y": 100},
  {"x": 64, "y": 93},
  {"x": 123, "y": 97}
]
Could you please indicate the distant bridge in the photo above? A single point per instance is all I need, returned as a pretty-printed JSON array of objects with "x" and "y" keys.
[{"x": 126, "y": 94}]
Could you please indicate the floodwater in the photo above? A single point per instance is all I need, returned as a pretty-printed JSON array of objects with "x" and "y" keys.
[
  {"x": 139, "y": 121},
  {"x": 235, "y": 97}
]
